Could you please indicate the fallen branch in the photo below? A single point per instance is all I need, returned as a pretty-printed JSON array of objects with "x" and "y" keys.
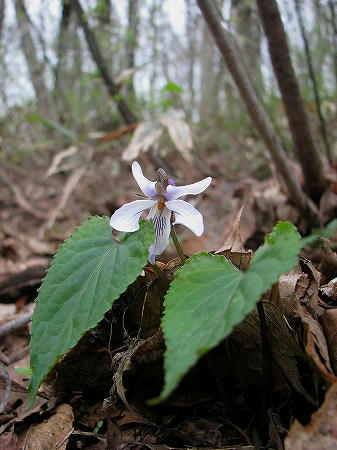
[
  {"x": 15, "y": 323},
  {"x": 70, "y": 185},
  {"x": 19, "y": 198},
  {"x": 7, "y": 388}
]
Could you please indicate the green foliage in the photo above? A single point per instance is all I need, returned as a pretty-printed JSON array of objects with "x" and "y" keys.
[
  {"x": 37, "y": 118},
  {"x": 209, "y": 296},
  {"x": 90, "y": 270},
  {"x": 320, "y": 235},
  {"x": 23, "y": 370},
  {"x": 173, "y": 87}
]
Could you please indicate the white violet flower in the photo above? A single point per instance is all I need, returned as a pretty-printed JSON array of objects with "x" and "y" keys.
[{"x": 162, "y": 199}]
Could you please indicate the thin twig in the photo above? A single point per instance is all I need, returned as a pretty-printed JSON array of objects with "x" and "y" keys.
[
  {"x": 159, "y": 272},
  {"x": 7, "y": 389},
  {"x": 19, "y": 354},
  {"x": 19, "y": 198},
  {"x": 70, "y": 185},
  {"x": 59, "y": 444},
  {"x": 15, "y": 323},
  {"x": 4, "y": 358},
  {"x": 266, "y": 373}
]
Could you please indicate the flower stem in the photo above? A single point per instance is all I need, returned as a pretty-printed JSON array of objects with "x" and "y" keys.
[
  {"x": 157, "y": 270},
  {"x": 177, "y": 245}
]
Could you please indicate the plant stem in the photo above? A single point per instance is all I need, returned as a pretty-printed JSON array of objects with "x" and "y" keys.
[
  {"x": 159, "y": 272},
  {"x": 177, "y": 245},
  {"x": 266, "y": 373}
]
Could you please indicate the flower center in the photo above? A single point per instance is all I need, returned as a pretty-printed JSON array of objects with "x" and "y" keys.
[{"x": 161, "y": 202}]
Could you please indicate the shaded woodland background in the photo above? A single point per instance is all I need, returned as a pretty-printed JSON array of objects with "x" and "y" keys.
[{"x": 242, "y": 90}]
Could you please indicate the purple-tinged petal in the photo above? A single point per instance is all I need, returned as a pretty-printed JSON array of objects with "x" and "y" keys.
[
  {"x": 186, "y": 214},
  {"x": 127, "y": 217},
  {"x": 146, "y": 186},
  {"x": 162, "y": 228},
  {"x": 174, "y": 192}
]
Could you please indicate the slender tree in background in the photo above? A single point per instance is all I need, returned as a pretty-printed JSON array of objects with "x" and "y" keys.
[
  {"x": 154, "y": 10},
  {"x": 313, "y": 79},
  {"x": 131, "y": 41},
  {"x": 60, "y": 83},
  {"x": 35, "y": 68},
  {"x": 208, "y": 103},
  {"x": 304, "y": 145},
  {"x": 191, "y": 25},
  {"x": 2, "y": 16},
  {"x": 260, "y": 119},
  {"x": 334, "y": 35},
  {"x": 96, "y": 54},
  {"x": 249, "y": 37}
]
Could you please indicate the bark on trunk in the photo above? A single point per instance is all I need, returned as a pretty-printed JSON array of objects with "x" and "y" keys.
[
  {"x": 2, "y": 16},
  {"x": 208, "y": 103},
  {"x": 313, "y": 80},
  {"x": 304, "y": 145},
  {"x": 131, "y": 41},
  {"x": 96, "y": 54},
  {"x": 62, "y": 47},
  {"x": 35, "y": 68},
  {"x": 255, "y": 109}
]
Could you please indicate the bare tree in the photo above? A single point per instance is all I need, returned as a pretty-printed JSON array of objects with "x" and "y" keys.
[
  {"x": 208, "y": 103},
  {"x": 313, "y": 80},
  {"x": 96, "y": 54},
  {"x": 2, "y": 16},
  {"x": 191, "y": 26},
  {"x": 131, "y": 40},
  {"x": 62, "y": 47},
  {"x": 263, "y": 125},
  {"x": 35, "y": 68},
  {"x": 304, "y": 145},
  {"x": 154, "y": 10},
  {"x": 334, "y": 34},
  {"x": 248, "y": 34}
]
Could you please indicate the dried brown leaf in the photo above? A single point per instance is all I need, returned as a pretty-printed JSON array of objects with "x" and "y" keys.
[
  {"x": 321, "y": 432},
  {"x": 329, "y": 290},
  {"x": 316, "y": 346},
  {"x": 234, "y": 242},
  {"x": 50, "y": 434},
  {"x": 329, "y": 322},
  {"x": 145, "y": 135}
]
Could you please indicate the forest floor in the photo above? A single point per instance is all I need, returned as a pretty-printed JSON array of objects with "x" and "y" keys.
[{"x": 96, "y": 396}]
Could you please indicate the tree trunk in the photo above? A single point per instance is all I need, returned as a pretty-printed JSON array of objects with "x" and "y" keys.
[
  {"x": 62, "y": 47},
  {"x": 248, "y": 34},
  {"x": 191, "y": 26},
  {"x": 96, "y": 54},
  {"x": 313, "y": 80},
  {"x": 208, "y": 103},
  {"x": 35, "y": 68},
  {"x": 131, "y": 42},
  {"x": 334, "y": 35},
  {"x": 255, "y": 109},
  {"x": 304, "y": 145},
  {"x": 2, "y": 16}
]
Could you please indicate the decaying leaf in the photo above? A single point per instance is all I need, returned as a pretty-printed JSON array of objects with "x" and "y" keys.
[
  {"x": 321, "y": 432},
  {"x": 233, "y": 248},
  {"x": 329, "y": 291},
  {"x": 123, "y": 363},
  {"x": 329, "y": 322},
  {"x": 316, "y": 346},
  {"x": 146, "y": 134},
  {"x": 180, "y": 133},
  {"x": 149, "y": 132},
  {"x": 53, "y": 433},
  {"x": 233, "y": 241},
  {"x": 8, "y": 440}
]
